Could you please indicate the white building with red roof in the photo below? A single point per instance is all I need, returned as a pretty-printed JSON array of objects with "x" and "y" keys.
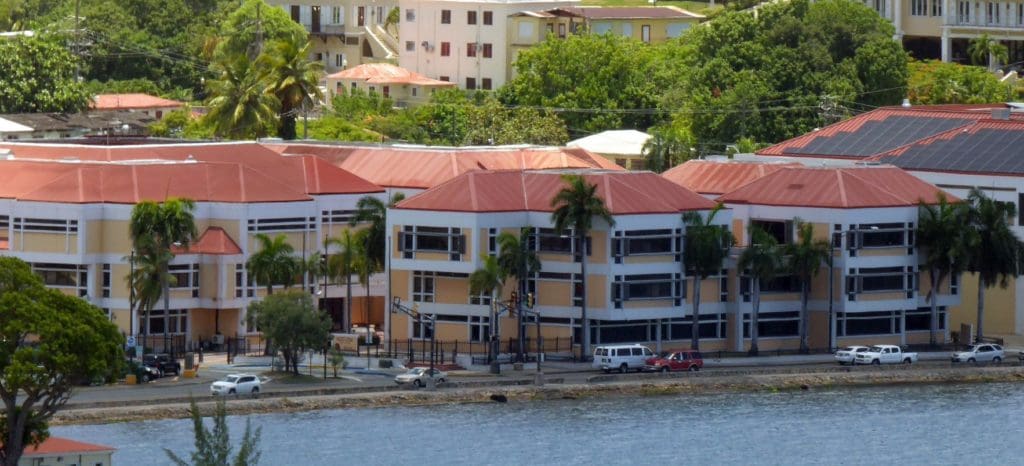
[
  {"x": 150, "y": 105},
  {"x": 59, "y": 451},
  {"x": 636, "y": 291},
  {"x": 402, "y": 86},
  {"x": 877, "y": 291}
]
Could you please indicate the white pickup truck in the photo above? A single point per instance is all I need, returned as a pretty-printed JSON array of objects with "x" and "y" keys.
[{"x": 885, "y": 354}]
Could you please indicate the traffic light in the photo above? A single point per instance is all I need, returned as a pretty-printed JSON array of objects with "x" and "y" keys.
[
  {"x": 515, "y": 298},
  {"x": 416, "y": 310},
  {"x": 529, "y": 300}
]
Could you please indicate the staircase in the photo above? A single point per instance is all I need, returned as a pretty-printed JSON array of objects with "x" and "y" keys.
[{"x": 384, "y": 45}]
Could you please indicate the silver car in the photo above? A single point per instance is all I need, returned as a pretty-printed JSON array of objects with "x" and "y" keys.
[
  {"x": 846, "y": 355},
  {"x": 982, "y": 352},
  {"x": 418, "y": 376}
]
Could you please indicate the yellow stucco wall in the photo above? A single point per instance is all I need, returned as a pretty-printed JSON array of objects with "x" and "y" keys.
[
  {"x": 46, "y": 242},
  {"x": 1000, "y": 307}
]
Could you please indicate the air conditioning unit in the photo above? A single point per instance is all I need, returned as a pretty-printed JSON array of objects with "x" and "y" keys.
[{"x": 425, "y": 44}]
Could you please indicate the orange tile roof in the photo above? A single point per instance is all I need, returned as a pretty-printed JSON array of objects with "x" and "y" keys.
[
  {"x": 132, "y": 101},
  {"x": 213, "y": 241},
  {"x": 840, "y": 188},
  {"x": 424, "y": 167},
  {"x": 385, "y": 73},
  {"x": 709, "y": 177},
  {"x": 60, "y": 445},
  {"x": 233, "y": 172},
  {"x": 532, "y": 190}
]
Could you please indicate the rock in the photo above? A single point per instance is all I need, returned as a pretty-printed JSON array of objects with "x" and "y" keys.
[{"x": 499, "y": 398}]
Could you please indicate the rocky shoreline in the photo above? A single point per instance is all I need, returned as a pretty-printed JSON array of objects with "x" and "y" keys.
[{"x": 653, "y": 385}]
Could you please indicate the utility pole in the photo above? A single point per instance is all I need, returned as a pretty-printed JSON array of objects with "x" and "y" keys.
[{"x": 78, "y": 42}]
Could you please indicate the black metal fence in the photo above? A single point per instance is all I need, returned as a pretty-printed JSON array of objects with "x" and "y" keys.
[{"x": 447, "y": 352}]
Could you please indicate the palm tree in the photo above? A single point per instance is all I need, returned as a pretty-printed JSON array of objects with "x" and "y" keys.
[
  {"x": 239, "y": 106},
  {"x": 294, "y": 80},
  {"x": 945, "y": 235},
  {"x": 763, "y": 260},
  {"x": 343, "y": 264},
  {"x": 516, "y": 260},
  {"x": 146, "y": 280},
  {"x": 491, "y": 278},
  {"x": 575, "y": 206},
  {"x": 375, "y": 211},
  {"x": 364, "y": 266},
  {"x": 665, "y": 149},
  {"x": 706, "y": 247},
  {"x": 988, "y": 51},
  {"x": 274, "y": 263},
  {"x": 995, "y": 258},
  {"x": 803, "y": 259},
  {"x": 154, "y": 229}
]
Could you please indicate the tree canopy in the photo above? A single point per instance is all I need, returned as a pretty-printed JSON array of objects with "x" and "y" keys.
[
  {"x": 933, "y": 82},
  {"x": 49, "y": 342},
  {"x": 770, "y": 76},
  {"x": 291, "y": 323},
  {"x": 37, "y": 74}
]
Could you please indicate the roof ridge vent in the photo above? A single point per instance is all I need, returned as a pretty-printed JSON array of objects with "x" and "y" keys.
[{"x": 1000, "y": 113}]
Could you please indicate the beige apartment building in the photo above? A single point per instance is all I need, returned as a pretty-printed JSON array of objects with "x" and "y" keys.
[
  {"x": 345, "y": 33},
  {"x": 942, "y": 29}
]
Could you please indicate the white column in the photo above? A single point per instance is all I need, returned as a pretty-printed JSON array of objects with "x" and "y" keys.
[
  {"x": 903, "y": 327},
  {"x": 947, "y": 45},
  {"x": 897, "y": 16}
]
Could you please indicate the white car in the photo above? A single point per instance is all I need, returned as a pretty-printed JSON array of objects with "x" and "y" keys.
[
  {"x": 418, "y": 376},
  {"x": 848, "y": 354},
  {"x": 236, "y": 384},
  {"x": 982, "y": 352}
]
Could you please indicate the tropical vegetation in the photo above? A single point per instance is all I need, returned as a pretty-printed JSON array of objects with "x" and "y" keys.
[
  {"x": 274, "y": 263},
  {"x": 996, "y": 257},
  {"x": 761, "y": 261},
  {"x": 706, "y": 247},
  {"x": 946, "y": 238},
  {"x": 803, "y": 259},
  {"x": 43, "y": 340},
  {"x": 517, "y": 260},
  {"x": 291, "y": 324},
  {"x": 213, "y": 446},
  {"x": 576, "y": 206}
]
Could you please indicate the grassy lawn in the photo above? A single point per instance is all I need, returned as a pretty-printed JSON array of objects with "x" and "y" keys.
[{"x": 696, "y": 7}]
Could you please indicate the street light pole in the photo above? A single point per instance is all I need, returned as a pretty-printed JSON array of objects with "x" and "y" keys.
[{"x": 131, "y": 301}]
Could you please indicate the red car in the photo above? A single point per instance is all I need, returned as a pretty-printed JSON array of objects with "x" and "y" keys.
[{"x": 688, "y": 360}]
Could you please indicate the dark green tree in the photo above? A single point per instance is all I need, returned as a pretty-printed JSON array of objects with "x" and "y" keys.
[
  {"x": 289, "y": 320},
  {"x": 239, "y": 106},
  {"x": 49, "y": 343},
  {"x": 37, "y": 74},
  {"x": 996, "y": 257},
  {"x": 945, "y": 238},
  {"x": 372, "y": 210},
  {"x": 934, "y": 82},
  {"x": 295, "y": 81},
  {"x": 274, "y": 263},
  {"x": 761, "y": 261},
  {"x": 804, "y": 258},
  {"x": 248, "y": 29},
  {"x": 517, "y": 259},
  {"x": 213, "y": 446}
]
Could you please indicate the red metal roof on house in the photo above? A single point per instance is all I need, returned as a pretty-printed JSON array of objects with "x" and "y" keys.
[
  {"x": 708, "y": 177},
  {"x": 236, "y": 172},
  {"x": 841, "y": 188},
  {"x": 386, "y": 73},
  {"x": 623, "y": 193},
  {"x": 213, "y": 241},
  {"x": 424, "y": 167},
  {"x": 850, "y": 147},
  {"x": 60, "y": 445},
  {"x": 132, "y": 101}
]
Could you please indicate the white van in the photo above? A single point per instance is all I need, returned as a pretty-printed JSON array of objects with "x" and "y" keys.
[{"x": 621, "y": 357}]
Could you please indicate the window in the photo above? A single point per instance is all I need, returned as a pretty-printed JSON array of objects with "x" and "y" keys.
[
  {"x": 185, "y": 276},
  {"x": 339, "y": 60},
  {"x": 296, "y": 13},
  {"x": 880, "y": 280},
  {"x": 444, "y": 78},
  {"x": 547, "y": 240},
  {"x": 423, "y": 286},
  {"x": 470, "y": 83},
  {"x": 446, "y": 16},
  {"x": 492, "y": 241},
  {"x": 993, "y": 13},
  {"x": 676, "y": 29},
  {"x": 487, "y": 51},
  {"x": 243, "y": 285},
  {"x": 645, "y": 243},
  {"x": 432, "y": 239},
  {"x": 561, "y": 31},
  {"x": 645, "y": 33},
  {"x": 627, "y": 30},
  {"x": 471, "y": 17},
  {"x": 263, "y": 225},
  {"x": 410, "y": 15},
  {"x": 43, "y": 225},
  {"x": 920, "y": 319},
  {"x": 471, "y": 49},
  {"x": 479, "y": 328},
  {"x": 774, "y": 324},
  {"x": 782, "y": 230},
  {"x": 486, "y": 84},
  {"x": 63, "y": 276},
  {"x": 410, "y": 46},
  {"x": 963, "y": 12},
  {"x": 936, "y": 7},
  {"x": 336, "y": 15},
  {"x": 954, "y": 284},
  {"x": 446, "y": 50},
  {"x": 386, "y": 91},
  {"x": 488, "y": 18},
  {"x": 174, "y": 321},
  {"x": 919, "y": 7},
  {"x": 648, "y": 287},
  {"x": 525, "y": 31},
  {"x": 414, "y": 89},
  {"x": 106, "y": 281},
  {"x": 601, "y": 27},
  {"x": 867, "y": 323},
  {"x": 778, "y": 284},
  {"x": 708, "y": 326}
]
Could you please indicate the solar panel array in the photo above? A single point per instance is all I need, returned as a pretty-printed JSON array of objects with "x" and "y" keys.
[
  {"x": 985, "y": 151},
  {"x": 875, "y": 137}
]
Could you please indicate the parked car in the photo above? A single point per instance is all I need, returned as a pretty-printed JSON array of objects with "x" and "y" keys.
[
  {"x": 236, "y": 384},
  {"x": 885, "y": 354},
  {"x": 418, "y": 376},
  {"x": 848, "y": 354},
  {"x": 621, "y": 357},
  {"x": 143, "y": 373},
  {"x": 982, "y": 352},
  {"x": 689, "y": 360},
  {"x": 163, "y": 362}
]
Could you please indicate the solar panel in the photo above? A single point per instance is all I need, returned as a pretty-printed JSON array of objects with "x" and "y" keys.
[
  {"x": 987, "y": 150},
  {"x": 875, "y": 137}
]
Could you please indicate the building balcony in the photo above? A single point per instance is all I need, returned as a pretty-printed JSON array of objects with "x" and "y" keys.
[{"x": 328, "y": 30}]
